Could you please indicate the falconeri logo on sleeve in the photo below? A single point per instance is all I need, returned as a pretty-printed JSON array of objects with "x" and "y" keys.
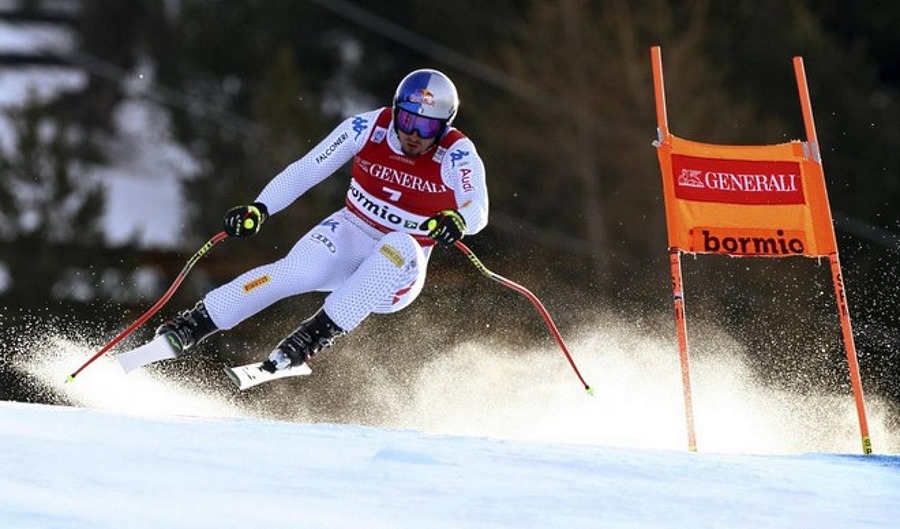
[
  {"x": 258, "y": 282},
  {"x": 331, "y": 148}
]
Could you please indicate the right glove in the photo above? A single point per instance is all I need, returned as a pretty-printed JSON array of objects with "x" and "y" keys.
[
  {"x": 446, "y": 227},
  {"x": 244, "y": 221}
]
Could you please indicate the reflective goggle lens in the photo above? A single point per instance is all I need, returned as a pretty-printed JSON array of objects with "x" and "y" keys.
[{"x": 407, "y": 123}]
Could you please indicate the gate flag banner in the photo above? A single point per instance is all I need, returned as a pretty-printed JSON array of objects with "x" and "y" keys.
[
  {"x": 748, "y": 200},
  {"x": 757, "y": 200}
]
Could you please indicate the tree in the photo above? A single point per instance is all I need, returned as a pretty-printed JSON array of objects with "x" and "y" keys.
[
  {"x": 45, "y": 208},
  {"x": 579, "y": 159}
]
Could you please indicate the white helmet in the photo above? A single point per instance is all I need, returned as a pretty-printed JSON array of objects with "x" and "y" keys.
[{"x": 428, "y": 93}]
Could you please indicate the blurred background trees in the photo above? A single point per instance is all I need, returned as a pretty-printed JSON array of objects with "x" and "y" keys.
[{"x": 556, "y": 95}]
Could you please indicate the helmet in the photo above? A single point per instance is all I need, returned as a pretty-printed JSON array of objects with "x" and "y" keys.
[{"x": 428, "y": 93}]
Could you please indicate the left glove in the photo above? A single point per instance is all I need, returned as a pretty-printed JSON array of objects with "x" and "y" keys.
[
  {"x": 244, "y": 221},
  {"x": 446, "y": 227}
]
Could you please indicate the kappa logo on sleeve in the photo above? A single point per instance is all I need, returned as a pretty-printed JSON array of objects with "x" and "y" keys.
[
  {"x": 360, "y": 125},
  {"x": 329, "y": 223},
  {"x": 456, "y": 156}
]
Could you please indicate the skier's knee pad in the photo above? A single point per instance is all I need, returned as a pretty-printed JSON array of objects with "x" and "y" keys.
[
  {"x": 401, "y": 250},
  {"x": 408, "y": 261}
]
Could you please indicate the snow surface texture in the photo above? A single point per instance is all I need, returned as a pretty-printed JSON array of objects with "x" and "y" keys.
[
  {"x": 75, "y": 468},
  {"x": 485, "y": 439}
]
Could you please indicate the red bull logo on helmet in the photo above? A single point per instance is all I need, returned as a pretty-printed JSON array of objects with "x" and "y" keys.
[{"x": 422, "y": 96}]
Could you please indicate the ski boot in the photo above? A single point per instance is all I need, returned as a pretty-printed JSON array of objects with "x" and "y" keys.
[
  {"x": 313, "y": 335},
  {"x": 188, "y": 328}
]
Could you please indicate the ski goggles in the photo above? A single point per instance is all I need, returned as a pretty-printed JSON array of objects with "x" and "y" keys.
[{"x": 407, "y": 123}]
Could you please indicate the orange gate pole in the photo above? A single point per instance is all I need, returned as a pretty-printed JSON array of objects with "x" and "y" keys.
[
  {"x": 681, "y": 330},
  {"x": 662, "y": 124},
  {"x": 834, "y": 262}
]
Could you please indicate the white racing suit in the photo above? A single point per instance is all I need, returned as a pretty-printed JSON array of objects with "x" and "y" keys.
[{"x": 370, "y": 255}]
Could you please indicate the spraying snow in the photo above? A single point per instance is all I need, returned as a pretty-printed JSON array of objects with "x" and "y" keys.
[
  {"x": 105, "y": 386},
  {"x": 638, "y": 401},
  {"x": 480, "y": 390}
]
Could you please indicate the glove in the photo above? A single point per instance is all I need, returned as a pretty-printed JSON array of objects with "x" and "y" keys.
[
  {"x": 244, "y": 221},
  {"x": 446, "y": 227}
]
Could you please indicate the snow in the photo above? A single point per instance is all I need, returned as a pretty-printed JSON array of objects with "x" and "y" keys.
[
  {"x": 484, "y": 440},
  {"x": 69, "y": 467}
]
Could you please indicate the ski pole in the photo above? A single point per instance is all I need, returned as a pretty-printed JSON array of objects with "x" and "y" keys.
[
  {"x": 158, "y": 305},
  {"x": 534, "y": 300}
]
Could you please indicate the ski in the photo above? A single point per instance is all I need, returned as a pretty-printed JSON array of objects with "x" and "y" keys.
[
  {"x": 153, "y": 351},
  {"x": 250, "y": 375},
  {"x": 244, "y": 377}
]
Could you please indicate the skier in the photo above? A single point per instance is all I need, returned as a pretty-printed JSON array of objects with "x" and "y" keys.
[{"x": 416, "y": 181}]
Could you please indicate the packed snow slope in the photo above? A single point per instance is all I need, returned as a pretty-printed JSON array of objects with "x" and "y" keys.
[
  {"x": 475, "y": 441},
  {"x": 69, "y": 467}
]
